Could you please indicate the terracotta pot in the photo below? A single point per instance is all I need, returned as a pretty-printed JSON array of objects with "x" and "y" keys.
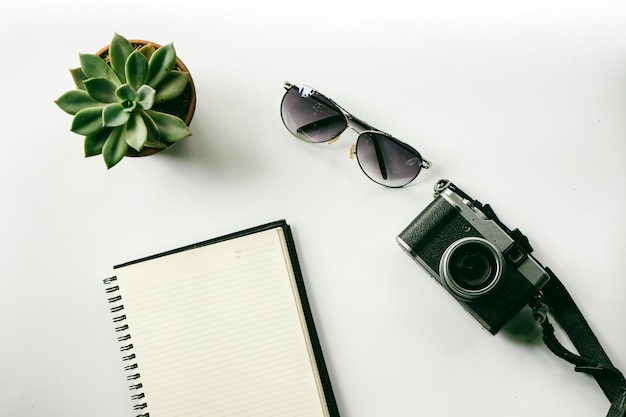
[{"x": 183, "y": 106}]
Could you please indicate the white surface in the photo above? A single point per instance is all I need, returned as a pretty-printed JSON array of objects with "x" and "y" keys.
[{"x": 522, "y": 104}]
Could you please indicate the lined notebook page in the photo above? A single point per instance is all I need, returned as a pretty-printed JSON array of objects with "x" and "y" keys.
[{"x": 218, "y": 331}]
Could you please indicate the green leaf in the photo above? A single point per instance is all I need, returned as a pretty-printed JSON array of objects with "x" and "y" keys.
[
  {"x": 172, "y": 86},
  {"x": 94, "y": 143},
  {"x": 136, "y": 69},
  {"x": 119, "y": 51},
  {"x": 136, "y": 132},
  {"x": 126, "y": 93},
  {"x": 171, "y": 128},
  {"x": 88, "y": 121},
  {"x": 102, "y": 90},
  {"x": 145, "y": 96},
  {"x": 78, "y": 76},
  {"x": 114, "y": 148},
  {"x": 115, "y": 114},
  {"x": 94, "y": 67},
  {"x": 76, "y": 100},
  {"x": 153, "y": 140},
  {"x": 161, "y": 64},
  {"x": 147, "y": 50}
]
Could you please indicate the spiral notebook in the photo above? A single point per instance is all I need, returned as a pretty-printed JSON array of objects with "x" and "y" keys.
[{"x": 221, "y": 328}]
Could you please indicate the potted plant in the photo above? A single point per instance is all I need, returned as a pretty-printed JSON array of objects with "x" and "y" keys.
[{"x": 132, "y": 98}]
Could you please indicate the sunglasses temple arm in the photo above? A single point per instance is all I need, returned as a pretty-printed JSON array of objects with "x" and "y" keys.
[
  {"x": 316, "y": 124},
  {"x": 366, "y": 126},
  {"x": 381, "y": 160}
]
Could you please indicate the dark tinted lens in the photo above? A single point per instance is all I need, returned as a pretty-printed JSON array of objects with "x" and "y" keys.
[
  {"x": 386, "y": 160},
  {"x": 310, "y": 116}
]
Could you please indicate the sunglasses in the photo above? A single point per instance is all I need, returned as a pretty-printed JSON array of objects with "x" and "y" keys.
[{"x": 312, "y": 117}]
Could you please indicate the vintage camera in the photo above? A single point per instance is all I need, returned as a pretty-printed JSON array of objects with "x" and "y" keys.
[{"x": 472, "y": 254}]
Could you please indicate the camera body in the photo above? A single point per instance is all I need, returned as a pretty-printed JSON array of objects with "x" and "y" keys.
[{"x": 483, "y": 264}]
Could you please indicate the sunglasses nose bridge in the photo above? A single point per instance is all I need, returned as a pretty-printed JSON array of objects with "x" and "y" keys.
[{"x": 356, "y": 125}]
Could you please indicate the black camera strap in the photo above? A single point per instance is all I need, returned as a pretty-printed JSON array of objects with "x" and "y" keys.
[{"x": 591, "y": 358}]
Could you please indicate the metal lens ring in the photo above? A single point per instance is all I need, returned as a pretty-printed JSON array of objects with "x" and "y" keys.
[
  {"x": 311, "y": 116},
  {"x": 471, "y": 268}
]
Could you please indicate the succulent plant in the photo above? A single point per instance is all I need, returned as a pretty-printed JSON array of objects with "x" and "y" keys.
[{"x": 114, "y": 102}]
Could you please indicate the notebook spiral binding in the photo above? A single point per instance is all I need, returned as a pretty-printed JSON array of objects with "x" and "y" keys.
[{"x": 126, "y": 347}]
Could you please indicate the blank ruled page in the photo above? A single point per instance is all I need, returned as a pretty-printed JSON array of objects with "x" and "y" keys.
[{"x": 218, "y": 331}]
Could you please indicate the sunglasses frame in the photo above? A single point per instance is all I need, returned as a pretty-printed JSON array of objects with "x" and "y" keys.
[{"x": 362, "y": 128}]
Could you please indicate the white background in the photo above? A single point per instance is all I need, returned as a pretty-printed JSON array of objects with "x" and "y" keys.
[{"x": 521, "y": 103}]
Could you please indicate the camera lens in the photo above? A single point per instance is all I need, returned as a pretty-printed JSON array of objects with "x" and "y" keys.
[{"x": 471, "y": 267}]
